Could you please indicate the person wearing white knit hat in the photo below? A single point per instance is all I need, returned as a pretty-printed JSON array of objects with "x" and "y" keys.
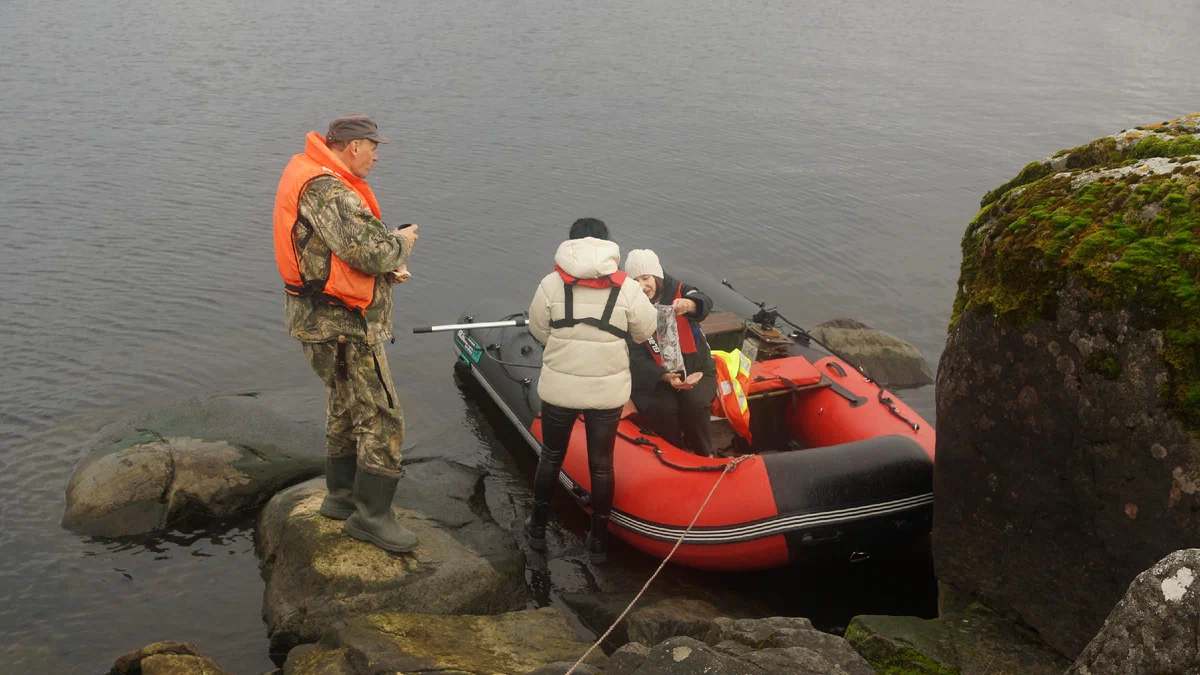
[
  {"x": 674, "y": 375},
  {"x": 642, "y": 262}
]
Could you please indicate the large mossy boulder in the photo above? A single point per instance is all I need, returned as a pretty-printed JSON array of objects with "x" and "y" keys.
[
  {"x": 317, "y": 575},
  {"x": 188, "y": 463},
  {"x": 1069, "y": 391},
  {"x": 514, "y": 643}
]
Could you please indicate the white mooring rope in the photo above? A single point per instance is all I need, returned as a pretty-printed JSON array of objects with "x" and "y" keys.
[{"x": 728, "y": 469}]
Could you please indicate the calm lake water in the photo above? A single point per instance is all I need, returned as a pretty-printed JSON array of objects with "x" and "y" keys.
[{"x": 824, "y": 155}]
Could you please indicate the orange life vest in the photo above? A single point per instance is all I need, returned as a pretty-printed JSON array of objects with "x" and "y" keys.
[
  {"x": 687, "y": 340},
  {"x": 345, "y": 286},
  {"x": 730, "y": 401},
  {"x": 615, "y": 279}
]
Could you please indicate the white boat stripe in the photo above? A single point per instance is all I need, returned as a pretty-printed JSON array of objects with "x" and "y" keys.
[
  {"x": 771, "y": 528},
  {"x": 871, "y": 509}
]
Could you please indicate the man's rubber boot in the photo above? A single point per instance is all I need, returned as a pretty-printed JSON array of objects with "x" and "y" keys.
[
  {"x": 339, "y": 478},
  {"x": 373, "y": 520},
  {"x": 597, "y": 539},
  {"x": 535, "y": 525}
]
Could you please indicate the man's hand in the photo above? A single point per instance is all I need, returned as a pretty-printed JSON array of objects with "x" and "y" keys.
[
  {"x": 684, "y": 306},
  {"x": 399, "y": 276},
  {"x": 409, "y": 234}
]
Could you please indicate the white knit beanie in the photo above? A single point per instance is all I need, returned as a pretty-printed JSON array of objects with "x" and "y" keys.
[{"x": 643, "y": 261}]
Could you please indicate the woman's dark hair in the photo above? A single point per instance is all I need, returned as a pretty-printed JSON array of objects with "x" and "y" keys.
[{"x": 589, "y": 227}]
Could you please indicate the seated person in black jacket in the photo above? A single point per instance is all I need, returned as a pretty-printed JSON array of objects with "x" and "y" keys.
[{"x": 677, "y": 404}]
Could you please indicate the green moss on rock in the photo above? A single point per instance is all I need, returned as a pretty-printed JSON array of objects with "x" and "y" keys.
[
  {"x": 883, "y": 642},
  {"x": 910, "y": 662},
  {"x": 1033, "y": 171},
  {"x": 1123, "y": 218},
  {"x": 1175, "y": 138},
  {"x": 1103, "y": 362}
]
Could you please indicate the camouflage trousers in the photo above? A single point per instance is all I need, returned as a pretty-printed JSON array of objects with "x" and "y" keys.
[{"x": 363, "y": 416}]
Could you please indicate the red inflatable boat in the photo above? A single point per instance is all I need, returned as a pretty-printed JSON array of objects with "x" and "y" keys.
[{"x": 839, "y": 468}]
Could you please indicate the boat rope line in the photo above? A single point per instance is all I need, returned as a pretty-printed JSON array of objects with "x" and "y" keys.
[
  {"x": 646, "y": 442},
  {"x": 891, "y": 405},
  {"x": 510, "y": 364},
  {"x": 887, "y": 401},
  {"x": 727, "y": 469}
]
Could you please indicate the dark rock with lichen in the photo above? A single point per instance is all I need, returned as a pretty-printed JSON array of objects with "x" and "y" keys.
[
  {"x": 1069, "y": 391},
  {"x": 1153, "y": 629}
]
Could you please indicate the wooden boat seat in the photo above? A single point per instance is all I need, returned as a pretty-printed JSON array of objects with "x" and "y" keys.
[{"x": 725, "y": 331}]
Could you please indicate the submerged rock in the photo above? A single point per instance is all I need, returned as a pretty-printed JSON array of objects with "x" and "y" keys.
[
  {"x": 166, "y": 481},
  {"x": 1155, "y": 628},
  {"x": 20, "y": 659},
  {"x": 1069, "y": 391},
  {"x": 316, "y": 575},
  {"x": 202, "y": 459},
  {"x": 513, "y": 643},
  {"x": 166, "y": 658},
  {"x": 888, "y": 360}
]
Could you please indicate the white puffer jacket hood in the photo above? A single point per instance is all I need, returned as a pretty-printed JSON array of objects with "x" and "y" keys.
[
  {"x": 588, "y": 258},
  {"x": 583, "y": 367}
]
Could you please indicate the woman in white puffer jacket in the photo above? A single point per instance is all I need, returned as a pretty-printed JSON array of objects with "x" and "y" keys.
[{"x": 582, "y": 311}]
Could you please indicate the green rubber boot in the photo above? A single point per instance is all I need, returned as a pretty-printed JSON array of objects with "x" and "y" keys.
[
  {"x": 339, "y": 478},
  {"x": 373, "y": 520}
]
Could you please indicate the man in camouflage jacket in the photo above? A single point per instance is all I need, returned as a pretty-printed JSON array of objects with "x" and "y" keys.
[{"x": 364, "y": 425}]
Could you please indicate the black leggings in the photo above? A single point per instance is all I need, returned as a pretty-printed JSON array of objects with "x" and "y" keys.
[{"x": 601, "y": 430}]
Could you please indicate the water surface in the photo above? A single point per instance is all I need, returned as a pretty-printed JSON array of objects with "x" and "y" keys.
[{"x": 823, "y": 155}]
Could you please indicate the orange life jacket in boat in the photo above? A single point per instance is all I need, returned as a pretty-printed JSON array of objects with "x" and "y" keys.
[
  {"x": 345, "y": 286},
  {"x": 733, "y": 379},
  {"x": 612, "y": 282},
  {"x": 687, "y": 340}
]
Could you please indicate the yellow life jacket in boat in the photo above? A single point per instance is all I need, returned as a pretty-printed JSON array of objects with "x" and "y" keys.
[{"x": 733, "y": 378}]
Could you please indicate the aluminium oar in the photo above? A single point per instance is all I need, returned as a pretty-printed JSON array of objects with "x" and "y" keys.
[{"x": 470, "y": 326}]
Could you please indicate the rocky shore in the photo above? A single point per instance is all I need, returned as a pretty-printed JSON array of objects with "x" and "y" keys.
[{"x": 1068, "y": 466}]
